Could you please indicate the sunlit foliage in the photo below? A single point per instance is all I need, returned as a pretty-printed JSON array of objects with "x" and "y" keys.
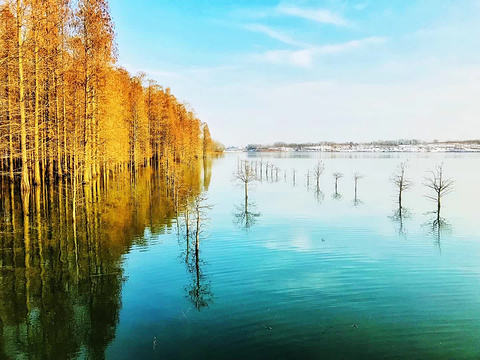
[{"x": 67, "y": 110}]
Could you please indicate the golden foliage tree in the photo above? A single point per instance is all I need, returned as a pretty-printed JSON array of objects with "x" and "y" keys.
[{"x": 68, "y": 112}]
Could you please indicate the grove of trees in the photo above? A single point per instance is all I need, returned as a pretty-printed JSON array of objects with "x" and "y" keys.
[{"x": 66, "y": 109}]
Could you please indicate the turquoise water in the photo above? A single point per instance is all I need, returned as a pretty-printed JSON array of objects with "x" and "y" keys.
[
  {"x": 314, "y": 276},
  {"x": 306, "y": 275}
]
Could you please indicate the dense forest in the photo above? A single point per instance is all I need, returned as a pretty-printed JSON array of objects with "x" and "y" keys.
[{"x": 67, "y": 111}]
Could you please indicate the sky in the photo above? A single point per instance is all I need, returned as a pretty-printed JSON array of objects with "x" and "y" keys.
[{"x": 308, "y": 71}]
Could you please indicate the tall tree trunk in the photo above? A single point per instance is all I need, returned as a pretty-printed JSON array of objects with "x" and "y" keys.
[
  {"x": 438, "y": 207},
  {"x": 36, "y": 174},
  {"x": 50, "y": 130},
  {"x": 86, "y": 139},
  {"x": 25, "y": 182},
  {"x": 246, "y": 191},
  {"x": 57, "y": 121},
  {"x": 10, "y": 129}
]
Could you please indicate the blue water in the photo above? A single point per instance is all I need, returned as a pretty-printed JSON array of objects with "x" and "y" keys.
[{"x": 313, "y": 277}]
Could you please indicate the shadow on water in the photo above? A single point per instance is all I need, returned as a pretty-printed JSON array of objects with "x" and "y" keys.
[{"x": 61, "y": 279}]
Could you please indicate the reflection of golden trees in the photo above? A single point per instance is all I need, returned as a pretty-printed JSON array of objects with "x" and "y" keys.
[
  {"x": 207, "y": 172},
  {"x": 61, "y": 281}
]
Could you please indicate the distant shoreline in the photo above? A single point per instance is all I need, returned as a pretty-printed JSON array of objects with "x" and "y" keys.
[{"x": 445, "y": 147}]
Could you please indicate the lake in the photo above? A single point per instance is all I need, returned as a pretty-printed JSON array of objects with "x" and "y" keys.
[{"x": 304, "y": 273}]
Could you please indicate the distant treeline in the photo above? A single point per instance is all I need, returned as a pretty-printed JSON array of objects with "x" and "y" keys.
[
  {"x": 68, "y": 110},
  {"x": 374, "y": 143}
]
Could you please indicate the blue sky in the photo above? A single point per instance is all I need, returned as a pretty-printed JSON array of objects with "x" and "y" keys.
[{"x": 336, "y": 70}]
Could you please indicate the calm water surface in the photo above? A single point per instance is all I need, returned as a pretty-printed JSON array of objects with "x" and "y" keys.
[{"x": 306, "y": 275}]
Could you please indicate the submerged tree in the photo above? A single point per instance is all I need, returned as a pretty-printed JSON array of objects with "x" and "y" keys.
[
  {"x": 440, "y": 185},
  {"x": 318, "y": 171},
  {"x": 337, "y": 176},
  {"x": 401, "y": 182},
  {"x": 357, "y": 176},
  {"x": 246, "y": 175}
]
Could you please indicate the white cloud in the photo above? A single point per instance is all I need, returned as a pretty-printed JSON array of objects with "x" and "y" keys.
[
  {"x": 274, "y": 34},
  {"x": 305, "y": 57},
  {"x": 314, "y": 14},
  {"x": 318, "y": 15},
  {"x": 349, "y": 45}
]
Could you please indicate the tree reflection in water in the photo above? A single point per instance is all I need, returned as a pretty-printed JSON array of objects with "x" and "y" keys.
[
  {"x": 61, "y": 257},
  {"x": 319, "y": 195},
  {"x": 399, "y": 216},
  {"x": 199, "y": 291},
  {"x": 244, "y": 215},
  {"x": 439, "y": 228}
]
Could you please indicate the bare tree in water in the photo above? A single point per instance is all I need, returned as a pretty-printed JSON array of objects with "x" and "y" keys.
[
  {"x": 401, "y": 182},
  {"x": 440, "y": 185},
  {"x": 277, "y": 171},
  {"x": 337, "y": 176},
  {"x": 318, "y": 171},
  {"x": 357, "y": 176},
  {"x": 246, "y": 175},
  {"x": 261, "y": 170}
]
